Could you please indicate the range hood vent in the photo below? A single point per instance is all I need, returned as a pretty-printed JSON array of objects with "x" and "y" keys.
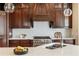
[{"x": 41, "y": 11}]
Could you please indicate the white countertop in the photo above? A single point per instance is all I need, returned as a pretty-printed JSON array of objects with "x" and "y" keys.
[
  {"x": 69, "y": 50},
  {"x": 20, "y": 38},
  {"x": 63, "y": 38},
  {"x": 28, "y": 38}
]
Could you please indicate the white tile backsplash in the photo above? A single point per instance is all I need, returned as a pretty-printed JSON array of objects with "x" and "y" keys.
[{"x": 41, "y": 29}]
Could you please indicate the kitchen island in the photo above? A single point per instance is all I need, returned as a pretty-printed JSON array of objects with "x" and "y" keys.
[{"x": 68, "y": 50}]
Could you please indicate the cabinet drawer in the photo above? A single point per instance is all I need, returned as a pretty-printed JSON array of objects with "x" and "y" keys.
[
  {"x": 24, "y": 43},
  {"x": 56, "y": 40},
  {"x": 66, "y": 41},
  {"x": 27, "y": 41},
  {"x": 14, "y": 41},
  {"x": 69, "y": 41}
]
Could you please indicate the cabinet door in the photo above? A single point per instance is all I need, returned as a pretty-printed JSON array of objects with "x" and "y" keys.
[
  {"x": 69, "y": 41},
  {"x": 18, "y": 18},
  {"x": 14, "y": 43},
  {"x": 23, "y": 43},
  {"x": 15, "y": 19},
  {"x": 59, "y": 21},
  {"x": 12, "y": 20},
  {"x": 26, "y": 43},
  {"x": 1, "y": 42},
  {"x": 25, "y": 18},
  {"x": 57, "y": 17},
  {"x": 66, "y": 41},
  {"x": 52, "y": 14}
]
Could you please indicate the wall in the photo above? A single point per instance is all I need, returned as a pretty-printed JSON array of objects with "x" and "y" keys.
[
  {"x": 75, "y": 22},
  {"x": 41, "y": 28},
  {"x": 78, "y": 24}
]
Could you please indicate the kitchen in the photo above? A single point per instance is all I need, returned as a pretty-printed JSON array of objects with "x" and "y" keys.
[{"x": 33, "y": 25}]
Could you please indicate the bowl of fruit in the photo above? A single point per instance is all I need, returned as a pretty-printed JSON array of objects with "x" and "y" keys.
[{"x": 20, "y": 50}]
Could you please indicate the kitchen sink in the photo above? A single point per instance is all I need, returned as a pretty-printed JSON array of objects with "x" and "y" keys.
[{"x": 54, "y": 46}]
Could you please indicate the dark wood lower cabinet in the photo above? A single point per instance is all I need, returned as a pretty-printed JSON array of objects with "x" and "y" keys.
[
  {"x": 24, "y": 43},
  {"x": 66, "y": 41},
  {"x": 70, "y": 41},
  {"x": 29, "y": 43},
  {"x": 14, "y": 43},
  {"x": 1, "y": 44}
]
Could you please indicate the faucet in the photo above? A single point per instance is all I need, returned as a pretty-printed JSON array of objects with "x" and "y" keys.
[
  {"x": 22, "y": 35},
  {"x": 59, "y": 35},
  {"x": 61, "y": 42}
]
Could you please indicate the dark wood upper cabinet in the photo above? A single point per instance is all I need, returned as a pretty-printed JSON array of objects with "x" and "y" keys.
[
  {"x": 15, "y": 19},
  {"x": 26, "y": 20},
  {"x": 58, "y": 18},
  {"x": 25, "y": 14},
  {"x": 20, "y": 17},
  {"x": 59, "y": 21}
]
